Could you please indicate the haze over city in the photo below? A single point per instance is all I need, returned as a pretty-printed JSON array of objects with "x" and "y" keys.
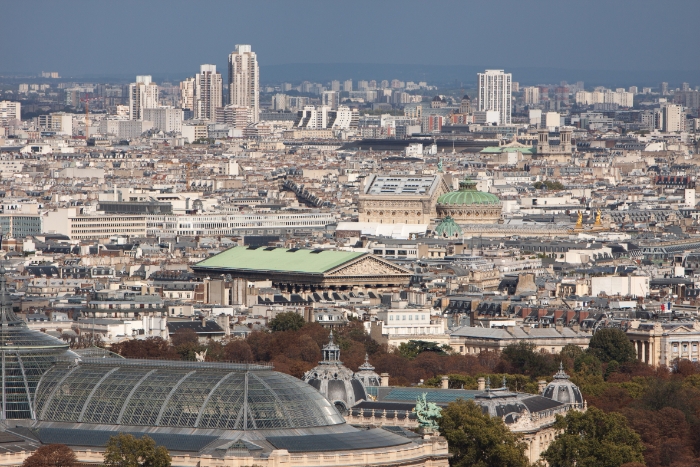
[
  {"x": 390, "y": 234},
  {"x": 545, "y": 38}
]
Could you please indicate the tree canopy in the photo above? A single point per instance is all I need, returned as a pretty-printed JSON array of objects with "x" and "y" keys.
[
  {"x": 523, "y": 358},
  {"x": 476, "y": 439},
  {"x": 548, "y": 185},
  {"x": 594, "y": 439},
  {"x": 125, "y": 450},
  {"x": 612, "y": 344},
  {"x": 412, "y": 349},
  {"x": 51, "y": 455},
  {"x": 287, "y": 321}
]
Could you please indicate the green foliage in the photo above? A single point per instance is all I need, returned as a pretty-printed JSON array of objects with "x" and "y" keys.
[
  {"x": 125, "y": 450},
  {"x": 571, "y": 351},
  {"x": 548, "y": 185},
  {"x": 523, "y": 358},
  {"x": 476, "y": 439},
  {"x": 594, "y": 439},
  {"x": 612, "y": 368},
  {"x": 287, "y": 321},
  {"x": 612, "y": 344},
  {"x": 412, "y": 349}
]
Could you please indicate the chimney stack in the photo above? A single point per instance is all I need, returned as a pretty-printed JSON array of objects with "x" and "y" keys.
[
  {"x": 541, "y": 384},
  {"x": 445, "y": 382},
  {"x": 385, "y": 379},
  {"x": 481, "y": 384}
]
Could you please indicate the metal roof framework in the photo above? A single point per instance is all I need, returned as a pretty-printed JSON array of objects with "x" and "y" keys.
[{"x": 178, "y": 394}]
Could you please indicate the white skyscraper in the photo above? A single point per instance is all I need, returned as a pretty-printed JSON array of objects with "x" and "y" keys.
[
  {"x": 187, "y": 94},
  {"x": 208, "y": 92},
  {"x": 673, "y": 118},
  {"x": 244, "y": 80},
  {"x": 495, "y": 93},
  {"x": 143, "y": 94}
]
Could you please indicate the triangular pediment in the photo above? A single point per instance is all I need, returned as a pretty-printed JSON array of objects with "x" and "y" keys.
[
  {"x": 682, "y": 330},
  {"x": 368, "y": 266}
]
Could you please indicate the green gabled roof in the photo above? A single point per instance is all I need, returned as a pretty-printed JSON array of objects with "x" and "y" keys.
[
  {"x": 279, "y": 259},
  {"x": 502, "y": 149}
]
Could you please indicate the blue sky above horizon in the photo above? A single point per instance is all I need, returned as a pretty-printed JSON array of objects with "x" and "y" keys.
[{"x": 77, "y": 37}]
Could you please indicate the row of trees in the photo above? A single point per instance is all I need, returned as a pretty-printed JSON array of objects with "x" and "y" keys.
[{"x": 123, "y": 450}]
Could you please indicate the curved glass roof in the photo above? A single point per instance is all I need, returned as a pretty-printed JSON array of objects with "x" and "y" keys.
[
  {"x": 26, "y": 355},
  {"x": 180, "y": 394}
]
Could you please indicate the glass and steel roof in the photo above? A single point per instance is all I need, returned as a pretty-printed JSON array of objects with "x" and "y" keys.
[
  {"x": 26, "y": 355},
  {"x": 179, "y": 394}
]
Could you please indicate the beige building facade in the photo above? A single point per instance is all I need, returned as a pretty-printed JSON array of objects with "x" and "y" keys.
[
  {"x": 469, "y": 340},
  {"x": 401, "y": 199},
  {"x": 662, "y": 343}
]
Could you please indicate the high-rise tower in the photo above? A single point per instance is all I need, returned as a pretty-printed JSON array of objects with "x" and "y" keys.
[
  {"x": 244, "y": 80},
  {"x": 143, "y": 94},
  {"x": 208, "y": 92},
  {"x": 495, "y": 93}
]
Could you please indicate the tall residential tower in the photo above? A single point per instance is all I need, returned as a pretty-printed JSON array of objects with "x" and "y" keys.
[
  {"x": 244, "y": 80},
  {"x": 495, "y": 93},
  {"x": 208, "y": 93},
  {"x": 143, "y": 94}
]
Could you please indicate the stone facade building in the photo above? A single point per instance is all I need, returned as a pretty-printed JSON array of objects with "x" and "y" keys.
[
  {"x": 396, "y": 199},
  {"x": 662, "y": 343},
  {"x": 469, "y": 205},
  {"x": 469, "y": 340}
]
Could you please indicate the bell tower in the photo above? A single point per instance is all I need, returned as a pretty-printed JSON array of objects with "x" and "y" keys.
[{"x": 543, "y": 141}]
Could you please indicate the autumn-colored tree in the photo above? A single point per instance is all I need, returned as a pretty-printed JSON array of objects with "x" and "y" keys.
[
  {"x": 184, "y": 336},
  {"x": 613, "y": 399},
  {"x": 238, "y": 350},
  {"x": 125, "y": 450},
  {"x": 665, "y": 434},
  {"x": 476, "y": 439},
  {"x": 52, "y": 455},
  {"x": 152, "y": 347}
]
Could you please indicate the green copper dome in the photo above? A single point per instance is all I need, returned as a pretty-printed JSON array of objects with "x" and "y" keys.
[
  {"x": 467, "y": 195},
  {"x": 448, "y": 228}
]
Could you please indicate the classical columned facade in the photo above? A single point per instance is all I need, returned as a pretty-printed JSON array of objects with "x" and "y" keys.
[{"x": 663, "y": 343}]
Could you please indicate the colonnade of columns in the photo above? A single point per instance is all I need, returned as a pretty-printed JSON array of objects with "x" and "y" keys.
[{"x": 645, "y": 352}]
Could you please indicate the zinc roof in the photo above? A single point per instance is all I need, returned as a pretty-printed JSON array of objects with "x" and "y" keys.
[{"x": 279, "y": 259}]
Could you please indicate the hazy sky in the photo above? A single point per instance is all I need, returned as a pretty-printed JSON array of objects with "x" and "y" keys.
[{"x": 172, "y": 36}]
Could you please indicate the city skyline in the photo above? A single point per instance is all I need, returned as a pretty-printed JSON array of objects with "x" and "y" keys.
[{"x": 377, "y": 39}]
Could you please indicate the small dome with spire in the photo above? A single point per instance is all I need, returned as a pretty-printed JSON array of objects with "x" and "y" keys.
[
  {"x": 561, "y": 389},
  {"x": 367, "y": 375},
  {"x": 334, "y": 380}
]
